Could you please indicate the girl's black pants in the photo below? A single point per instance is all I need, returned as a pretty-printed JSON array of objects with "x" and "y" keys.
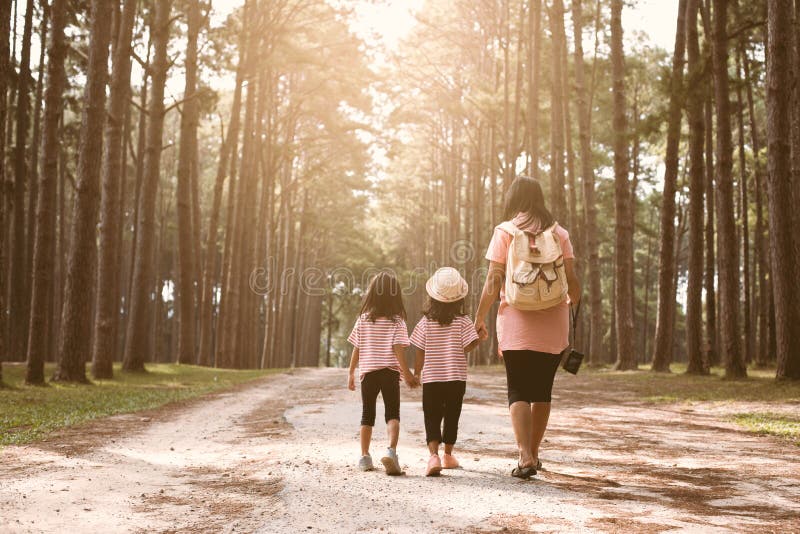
[{"x": 442, "y": 401}]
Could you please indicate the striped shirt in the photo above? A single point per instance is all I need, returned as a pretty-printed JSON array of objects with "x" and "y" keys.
[
  {"x": 375, "y": 342},
  {"x": 444, "y": 346}
]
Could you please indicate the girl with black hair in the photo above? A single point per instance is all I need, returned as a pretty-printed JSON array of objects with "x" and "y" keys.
[
  {"x": 443, "y": 337},
  {"x": 379, "y": 339}
]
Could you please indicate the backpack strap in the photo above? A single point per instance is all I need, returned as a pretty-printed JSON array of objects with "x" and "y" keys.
[{"x": 509, "y": 228}]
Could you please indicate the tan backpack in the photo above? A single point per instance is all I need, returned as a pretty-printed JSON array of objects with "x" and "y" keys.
[{"x": 536, "y": 278}]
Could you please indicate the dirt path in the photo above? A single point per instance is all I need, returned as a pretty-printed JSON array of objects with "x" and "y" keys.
[{"x": 277, "y": 456}]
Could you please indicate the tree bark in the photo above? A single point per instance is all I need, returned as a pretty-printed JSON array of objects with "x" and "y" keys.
[
  {"x": 623, "y": 300},
  {"x": 779, "y": 191},
  {"x": 662, "y": 345},
  {"x": 188, "y": 147},
  {"x": 557, "y": 195},
  {"x": 43, "y": 258},
  {"x": 74, "y": 347},
  {"x": 107, "y": 303},
  {"x": 696, "y": 120},
  {"x": 587, "y": 177},
  {"x": 749, "y": 339},
  {"x": 712, "y": 354},
  {"x": 5, "y": 29},
  {"x": 534, "y": 69},
  {"x": 728, "y": 257},
  {"x": 137, "y": 337},
  {"x": 18, "y": 272}
]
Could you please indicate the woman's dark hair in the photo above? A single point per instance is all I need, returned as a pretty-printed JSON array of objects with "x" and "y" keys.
[
  {"x": 526, "y": 196},
  {"x": 384, "y": 298},
  {"x": 443, "y": 312}
]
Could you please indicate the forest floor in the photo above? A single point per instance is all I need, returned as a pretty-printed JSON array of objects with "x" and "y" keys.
[{"x": 277, "y": 455}]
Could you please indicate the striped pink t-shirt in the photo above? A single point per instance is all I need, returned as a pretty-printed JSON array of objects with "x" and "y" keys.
[
  {"x": 444, "y": 346},
  {"x": 376, "y": 341}
]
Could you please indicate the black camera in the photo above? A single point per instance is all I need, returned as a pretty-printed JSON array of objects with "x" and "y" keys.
[{"x": 572, "y": 362}]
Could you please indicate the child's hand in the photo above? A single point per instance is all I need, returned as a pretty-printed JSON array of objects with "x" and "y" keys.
[
  {"x": 409, "y": 380},
  {"x": 351, "y": 382}
]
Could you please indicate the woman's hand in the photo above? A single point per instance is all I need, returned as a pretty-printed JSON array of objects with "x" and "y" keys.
[
  {"x": 480, "y": 328},
  {"x": 351, "y": 382}
]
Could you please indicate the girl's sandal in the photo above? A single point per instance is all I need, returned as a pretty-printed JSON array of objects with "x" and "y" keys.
[{"x": 523, "y": 472}]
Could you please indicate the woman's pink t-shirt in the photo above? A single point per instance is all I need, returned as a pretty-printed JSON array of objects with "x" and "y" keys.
[{"x": 542, "y": 330}]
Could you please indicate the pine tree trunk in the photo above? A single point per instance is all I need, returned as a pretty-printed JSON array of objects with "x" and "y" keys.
[
  {"x": 557, "y": 195},
  {"x": 623, "y": 300},
  {"x": 662, "y": 345},
  {"x": 712, "y": 354},
  {"x": 184, "y": 201},
  {"x": 107, "y": 303},
  {"x": 137, "y": 339},
  {"x": 74, "y": 347},
  {"x": 696, "y": 120},
  {"x": 749, "y": 339},
  {"x": 5, "y": 29},
  {"x": 779, "y": 191},
  {"x": 728, "y": 257},
  {"x": 588, "y": 179},
  {"x": 19, "y": 301},
  {"x": 43, "y": 259},
  {"x": 33, "y": 156},
  {"x": 534, "y": 69}
]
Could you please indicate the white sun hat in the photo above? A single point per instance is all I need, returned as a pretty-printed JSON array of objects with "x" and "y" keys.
[{"x": 447, "y": 285}]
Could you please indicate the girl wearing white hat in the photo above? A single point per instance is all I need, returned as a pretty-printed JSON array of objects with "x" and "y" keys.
[{"x": 443, "y": 337}]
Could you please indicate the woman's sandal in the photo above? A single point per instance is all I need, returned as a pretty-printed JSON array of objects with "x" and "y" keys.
[{"x": 523, "y": 472}]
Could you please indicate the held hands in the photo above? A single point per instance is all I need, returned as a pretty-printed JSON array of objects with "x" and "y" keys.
[
  {"x": 410, "y": 380},
  {"x": 480, "y": 328},
  {"x": 351, "y": 382}
]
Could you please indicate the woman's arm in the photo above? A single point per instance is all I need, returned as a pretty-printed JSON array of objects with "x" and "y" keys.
[
  {"x": 573, "y": 284},
  {"x": 490, "y": 294},
  {"x": 351, "y": 381}
]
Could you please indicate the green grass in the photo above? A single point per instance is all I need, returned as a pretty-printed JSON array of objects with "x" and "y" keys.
[
  {"x": 771, "y": 424},
  {"x": 29, "y": 413},
  {"x": 760, "y": 385}
]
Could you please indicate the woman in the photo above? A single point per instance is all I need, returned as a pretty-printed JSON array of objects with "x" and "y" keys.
[{"x": 530, "y": 342}]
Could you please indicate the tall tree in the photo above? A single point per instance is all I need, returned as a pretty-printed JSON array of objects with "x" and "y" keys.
[
  {"x": 559, "y": 200},
  {"x": 137, "y": 338},
  {"x": 186, "y": 158},
  {"x": 5, "y": 30},
  {"x": 662, "y": 346},
  {"x": 18, "y": 272},
  {"x": 587, "y": 177},
  {"x": 696, "y": 119},
  {"x": 534, "y": 71},
  {"x": 74, "y": 345},
  {"x": 623, "y": 298},
  {"x": 107, "y": 303},
  {"x": 784, "y": 273},
  {"x": 728, "y": 256},
  {"x": 43, "y": 259}
]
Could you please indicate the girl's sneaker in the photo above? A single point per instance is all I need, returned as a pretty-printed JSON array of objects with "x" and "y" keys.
[
  {"x": 450, "y": 462},
  {"x": 365, "y": 463},
  {"x": 434, "y": 466},
  {"x": 391, "y": 463}
]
